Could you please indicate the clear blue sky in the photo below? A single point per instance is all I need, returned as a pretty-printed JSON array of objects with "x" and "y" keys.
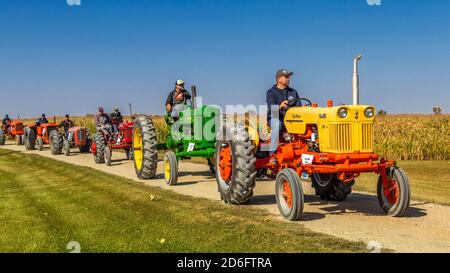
[{"x": 56, "y": 58}]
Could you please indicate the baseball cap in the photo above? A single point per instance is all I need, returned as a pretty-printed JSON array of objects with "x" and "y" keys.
[
  {"x": 283, "y": 72},
  {"x": 179, "y": 82}
]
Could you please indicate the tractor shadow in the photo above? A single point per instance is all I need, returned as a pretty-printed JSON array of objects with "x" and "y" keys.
[
  {"x": 358, "y": 203},
  {"x": 269, "y": 199}
]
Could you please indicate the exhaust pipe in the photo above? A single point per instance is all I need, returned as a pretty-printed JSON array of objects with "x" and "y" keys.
[
  {"x": 194, "y": 96},
  {"x": 356, "y": 80}
]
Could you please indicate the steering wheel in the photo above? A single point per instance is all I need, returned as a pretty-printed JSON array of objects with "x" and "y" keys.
[{"x": 308, "y": 102}]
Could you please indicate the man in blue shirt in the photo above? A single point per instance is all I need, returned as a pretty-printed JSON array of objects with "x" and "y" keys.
[{"x": 281, "y": 97}]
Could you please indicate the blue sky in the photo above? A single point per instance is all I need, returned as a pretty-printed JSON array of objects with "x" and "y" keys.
[{"x": 57, "y": 58}]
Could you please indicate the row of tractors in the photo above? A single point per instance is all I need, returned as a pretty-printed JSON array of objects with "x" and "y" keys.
[
  {"x": 329, "y": 146},
  {"x": 35, "y": 136}
]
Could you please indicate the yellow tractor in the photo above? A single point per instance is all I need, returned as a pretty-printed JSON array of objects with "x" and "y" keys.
[{"x": 332, "y": 145}]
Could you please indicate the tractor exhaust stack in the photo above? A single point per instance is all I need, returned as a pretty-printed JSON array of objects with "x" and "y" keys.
[
  {"x": 356, "y": 80},
  {"x": 194, "y": 96}
]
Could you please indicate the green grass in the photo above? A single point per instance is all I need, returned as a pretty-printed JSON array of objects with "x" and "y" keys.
[
  {"x": 44, "y": 204},
  {"x": 430, "y": 180}
]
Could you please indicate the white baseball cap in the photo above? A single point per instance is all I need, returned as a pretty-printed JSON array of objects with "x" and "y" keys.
[{"x": 180, "y": 82}]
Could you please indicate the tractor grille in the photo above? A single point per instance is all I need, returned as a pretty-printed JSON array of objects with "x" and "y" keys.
[
  {"x": 19, "y": 127},
  {"x": 341, "y": 137},
  {"x": 367, "y": 137},
  {"x": 81, "y": 135}
]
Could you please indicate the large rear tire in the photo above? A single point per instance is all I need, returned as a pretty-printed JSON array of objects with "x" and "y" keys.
[
  {"x": 170, "y": 168},
  {"x": 30, "y": 138},
  {"x": 2, "y": 137},
  {"x": 145, "y": 153},
  {"x": 394, "y": 198},
  {"x": 56, "y": 142},
  {"x": 329, "y": 187},
  {"x": 289, "y": 194},
  {"x": 100, "y": 143},
  {"x": 235, "y": 165}
]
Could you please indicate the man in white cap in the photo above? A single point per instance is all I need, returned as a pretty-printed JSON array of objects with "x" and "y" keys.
[{"x": 177, "y": 99}]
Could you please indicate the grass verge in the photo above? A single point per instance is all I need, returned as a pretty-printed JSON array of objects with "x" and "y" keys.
[{"x": 45, "y": 204}]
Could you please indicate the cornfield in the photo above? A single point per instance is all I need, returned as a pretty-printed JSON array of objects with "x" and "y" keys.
[{"x": 399, "y": 137}]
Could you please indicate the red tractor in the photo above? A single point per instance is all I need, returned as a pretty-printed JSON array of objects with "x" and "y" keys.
[
  {"x": 76, "y": 137},
  {"x": 41, "y": 134},
  {"x": 106, "y": 140},
  {"x": 13, "y": 131}
]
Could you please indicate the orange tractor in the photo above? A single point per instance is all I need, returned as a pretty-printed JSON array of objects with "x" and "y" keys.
[
  {"x": 331, "y": 145},
  {"x": 13, "y": 131},
  {"x": 38, "y": 135}
]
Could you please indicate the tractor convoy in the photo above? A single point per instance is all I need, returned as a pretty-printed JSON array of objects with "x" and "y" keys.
[
  {"x": 12, "y": 130},
  {"x": 329, "y": 146}
]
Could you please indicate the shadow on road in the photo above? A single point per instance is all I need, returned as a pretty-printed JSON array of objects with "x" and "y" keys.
[{"x": 356, "y": 203}]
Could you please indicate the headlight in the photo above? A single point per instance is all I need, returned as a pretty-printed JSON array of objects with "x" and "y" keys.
[
  {"x": 369, "y": 112},
  {"x": 343, "y": 112}
]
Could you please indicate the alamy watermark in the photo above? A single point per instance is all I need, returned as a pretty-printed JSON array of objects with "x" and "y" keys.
[{"x": 73, "y": 2}]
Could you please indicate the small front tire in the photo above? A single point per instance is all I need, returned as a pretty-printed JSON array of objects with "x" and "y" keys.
[
  {"x": 289, "y": 194},
  {"x": 170, "y": 168}
]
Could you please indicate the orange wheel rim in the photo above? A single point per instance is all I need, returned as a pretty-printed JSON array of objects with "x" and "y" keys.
[
  {"x": 287, "y": 193},
  {"x": 391, "y": 191},
  {"x": 225, "y": 163}
]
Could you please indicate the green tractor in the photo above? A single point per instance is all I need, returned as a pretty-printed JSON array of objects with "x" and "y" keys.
[{"x": 191, "y": 134}]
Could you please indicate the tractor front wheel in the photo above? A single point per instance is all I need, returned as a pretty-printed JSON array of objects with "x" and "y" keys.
[
  {"x": 66, "y": 147},
  {"x": 19, "y": 140},
  {"x": 170, "y": 168},
  {"x": 235, "y": 165},
  {"x": 394, "y": 195},
  {"x": 289, "y": 194},
  {"x": 2, "y": 137},
  {"x": 144, "y": 148},
  {"x": 108, "y": 155},
  {"x": 56, "y": 142},
  {"x": 40, "y": 144},
  {"x": 30, "y": 138}
]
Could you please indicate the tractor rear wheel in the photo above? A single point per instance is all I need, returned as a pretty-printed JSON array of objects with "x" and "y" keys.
[
  {"x": 100, "y": 144},
  {"x": 108, "y": 155},
  {"x": 329, "y": 187},
  {"x": 145, "y": 153},
  {"x": 2, "y": 137},
  {"x": 66, "y": 147},
  {"x": 235, "y": 165},
  {"x": 395, "y": 196},
  {"x": 289, "y": 194},
  {"x": 56, "y": 142},
  {"x": 30, "y": 138},
  {"x": 170, "y": 168}
]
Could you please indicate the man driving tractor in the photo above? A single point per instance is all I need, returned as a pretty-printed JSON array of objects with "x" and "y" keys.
[
  {"x": 102, "y": 121},
  {"x": 6, "y": 120},
  {"x": 116, "y": 118},
  {"x": 176, "y": 100},
  {"x": 66, "y": 124},
  {"x": 41, "y": 120}
]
